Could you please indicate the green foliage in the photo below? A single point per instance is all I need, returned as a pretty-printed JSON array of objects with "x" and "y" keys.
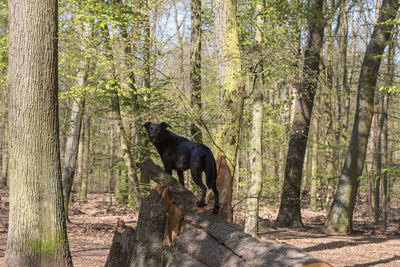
[
  {"x": 3, "y": 47},
  {"x": 391, "y": 89}
]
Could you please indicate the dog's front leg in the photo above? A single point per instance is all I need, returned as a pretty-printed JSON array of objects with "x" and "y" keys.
[
  {"x": 168, "y": 169},
  {"x": 181, "y": 178}
]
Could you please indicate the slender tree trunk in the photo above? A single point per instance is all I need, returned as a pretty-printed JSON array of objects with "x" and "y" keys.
[
  {"x": 386, "y": 161},
  {"x": 289, "y": 211},
  {"x": 330, "y": 173},
  {"x": 128, "y": 74},
  {"x": 378, "y": 156},
  {"x": 85, "y": 160},
  {"x": 77, "y": 110},
  {"x": 390, "y": 79},
  {"x": 195, "y": 66},
  {"x": 181, "y": 69},
  {"x": 230, "y": 77},
  {"x": 4, "y": 145},
  {"x": 339, "y": 122},
  {"x": 112, "y": 155},
  {"x": 341, "y": 215},
  {"x": 255, "y": 185},
  {"x": 37, "y": 233},
  {"x": 116, "y": 110},
  {"x": 71, "y": 148},
  {"x": 4, "y": 166},
  {"x": 314, "y": 170},
  {"x": 147, "y": 47},
  {"x": 3, "y": 136},
  {"x": 330, "y": 105},
  {"x": 125, "y": 148},
  {"x": 370, "y": 166},
  {"x": 79, "y": 171}
]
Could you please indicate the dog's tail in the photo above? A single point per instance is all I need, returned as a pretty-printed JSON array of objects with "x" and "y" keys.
[{"x": 210, "y": 169}]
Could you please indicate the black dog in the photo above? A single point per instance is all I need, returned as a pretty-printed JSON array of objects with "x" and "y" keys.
[{"x": 179, "y": 154}]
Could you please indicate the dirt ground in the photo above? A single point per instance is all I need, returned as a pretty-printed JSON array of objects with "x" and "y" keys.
[{"x": 91, "y": 233}]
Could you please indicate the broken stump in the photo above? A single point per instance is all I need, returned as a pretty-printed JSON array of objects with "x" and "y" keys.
[{"x": 122, "y": 246}]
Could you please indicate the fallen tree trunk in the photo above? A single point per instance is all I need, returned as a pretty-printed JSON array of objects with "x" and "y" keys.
[
  {"x": 172, "y": 231},
  {"x": 213, "y": 241}
]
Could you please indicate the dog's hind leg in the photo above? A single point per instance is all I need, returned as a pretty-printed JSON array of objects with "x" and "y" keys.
[
  {"x": 181, "y": 178},
  {"x": 196, "y": 175},
  {"x": 216, "y": 199}
]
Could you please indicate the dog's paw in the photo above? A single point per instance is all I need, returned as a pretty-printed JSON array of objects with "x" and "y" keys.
[
  {"x": 215, "y": 210},
  {"x": 201, "y": 203}
]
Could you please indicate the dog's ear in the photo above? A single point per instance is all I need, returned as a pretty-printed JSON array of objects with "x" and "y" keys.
[
  {"x": 165, "y": 125},
  {"x": 146, "y": 125}
]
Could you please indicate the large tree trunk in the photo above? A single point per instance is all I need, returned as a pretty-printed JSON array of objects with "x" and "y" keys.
[
  {"x": 255, "y": 185},
  {"x": 195, "y": 67},
  {"x": 341, "y": 215},
  {"x": 171, "y": 231},
  {"x": 37, "y": 233},
  {"x": 289, "y": 211},
  {"x": 230, "y": 76}
]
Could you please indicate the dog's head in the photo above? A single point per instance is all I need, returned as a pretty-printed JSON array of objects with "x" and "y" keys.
[{"x": 156, "y": 131}]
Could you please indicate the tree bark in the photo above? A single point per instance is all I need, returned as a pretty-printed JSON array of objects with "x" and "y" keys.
[
  {"x": 224, "y": 186},
  {"x": 77, "y": 110},
  {"x": 4, "y": 166},
  {"x": 116, "y": 110},
  {"x": 71, "y": 147},
  {"x": 255, "y": 185},
  {"x": 289, "y": 211},
  {"x": 122, "y": 246},
  {"x": 390, "y": 79},
  {"x": 378, "y": 155},
  {"x": 125, "y": 148},
  {"x": 85, "y": 160},
  {"x": 37, "y": 233},
  {"x": 210, "y": 241},
  {"x": 111, "y": 181},
  {"x": 79, "y": 171},
  {"x": 341, "y": 215},
  {"x": 314, "y": 170},
  {"x": 386, "y": 163},
  {"x": 230, "y": 77},
  {"x": 147, "y": 46},
  {"x": 195, "y": 66},
  {"x": 149, "y": 239}
]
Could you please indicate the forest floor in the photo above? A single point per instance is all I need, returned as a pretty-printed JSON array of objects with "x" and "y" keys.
[{"x": 91, "y": 232}]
